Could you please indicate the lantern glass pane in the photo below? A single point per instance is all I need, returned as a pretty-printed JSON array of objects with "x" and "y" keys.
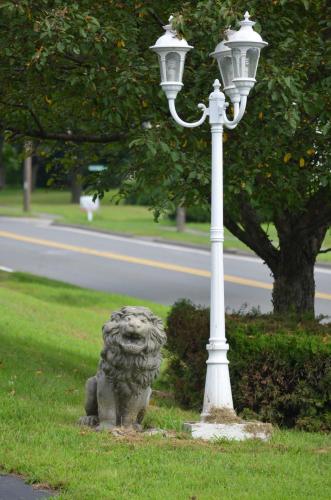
[
  {"x": 252, "y": 58},
  {"x": 162, "y": 72},
  {"x": 173, "y": 67},
  {"x": 236, "y": 63},
  {"x": 226, "y": 69}
]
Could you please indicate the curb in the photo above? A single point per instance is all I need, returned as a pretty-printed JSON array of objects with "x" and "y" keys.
[
  {"x": 166, "y": 242},
  {"x": 134, "y": 236},
  {"x": 162, "y": 241}
]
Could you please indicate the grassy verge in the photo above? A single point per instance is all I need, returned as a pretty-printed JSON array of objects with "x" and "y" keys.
[
  {"x": 50, "y": 342},
  {"x": 121, "y": 218},
  {"x": 129, "y": 219}
]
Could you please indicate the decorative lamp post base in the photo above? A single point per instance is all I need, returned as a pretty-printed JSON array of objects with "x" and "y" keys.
[
  {"x": 233, "y": 431},
  {"x": 223, "y": 423}
]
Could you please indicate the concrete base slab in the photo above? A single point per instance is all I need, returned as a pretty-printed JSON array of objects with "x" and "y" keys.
[{"x": 232, "y": 431}]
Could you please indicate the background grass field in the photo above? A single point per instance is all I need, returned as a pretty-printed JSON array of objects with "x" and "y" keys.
[
  {"x": 50, "y": 339},
  {"x": 128, "y": 219}
]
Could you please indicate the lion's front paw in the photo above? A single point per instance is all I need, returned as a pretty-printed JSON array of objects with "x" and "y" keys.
[
  {"x": 137, "y": 427},
  {"x": 105, "y": 426},
  {"x": 90, "y": 420}
]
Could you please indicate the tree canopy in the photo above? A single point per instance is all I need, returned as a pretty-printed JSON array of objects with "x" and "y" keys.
[{"x": 82, "y": 72}]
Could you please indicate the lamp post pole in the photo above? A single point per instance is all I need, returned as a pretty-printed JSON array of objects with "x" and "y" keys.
[
  {"x": 237, "y": 57},
  {"x": 218, "y": 393},
  {"x": 217, "y": 389}
]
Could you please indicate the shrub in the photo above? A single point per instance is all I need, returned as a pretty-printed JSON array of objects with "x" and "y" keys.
[
  {"x": 139, "y": 198},
  {"x": 194, "y": 213},
  {"x": 280, "y": 370}
]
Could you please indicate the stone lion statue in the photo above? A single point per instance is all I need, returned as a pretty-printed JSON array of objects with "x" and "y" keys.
[{"x": 119, "y": 393}]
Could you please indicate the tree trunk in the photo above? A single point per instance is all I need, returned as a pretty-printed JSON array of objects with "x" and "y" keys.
[
  {"x": 76, "y": 188},
  {"x": 180, "y": 219},
  {"x": 27, "y": 177},
  {"x": 294, "y": 285},
  {"x": 27, "y": 182},
  {"x": 294, "y": 288},
  {"x": 2, "y": 167},
  {"x": 292, "y": 264},
  {"x": 2, "y": 175},
  {"x": 34, "y": 174}
]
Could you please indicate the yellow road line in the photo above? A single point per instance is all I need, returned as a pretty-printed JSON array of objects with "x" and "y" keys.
[
  {"x": 145, "y": 262},
  {"x": 107, "y": 255},
  {"x": 321, "y": 295}
]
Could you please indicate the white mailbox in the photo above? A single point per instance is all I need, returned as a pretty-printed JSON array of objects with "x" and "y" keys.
[{"x": 89, "y": 206}]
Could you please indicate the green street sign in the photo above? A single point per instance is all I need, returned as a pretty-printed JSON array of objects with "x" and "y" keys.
[{"x": 96, "y": 168}]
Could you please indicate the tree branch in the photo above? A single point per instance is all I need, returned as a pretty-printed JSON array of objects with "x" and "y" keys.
[
  {"x": 68, "y": 137},
  {"x": 36, "y": 119},
  {"x": 59, "y": 136},
  {"x": 156, "y": 17},
  {"x": 82, "y": 61},
  {"x": 26, "y": 108},
  {"x": 317, "y": 211},
  {"x": 325, "y": 251},
  {"x": 252, "y": 234}
]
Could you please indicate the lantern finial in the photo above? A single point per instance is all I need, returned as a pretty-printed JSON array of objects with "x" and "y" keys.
[
  {"x": 247, "y": 20},
  {"x": 216, "y": 84},
  {"x": 169, "y": 27}
]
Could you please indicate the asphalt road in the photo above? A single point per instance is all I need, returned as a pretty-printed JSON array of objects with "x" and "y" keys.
[
  {"x": 14, "y": 488},
  {"x": 138, "y": 267}
]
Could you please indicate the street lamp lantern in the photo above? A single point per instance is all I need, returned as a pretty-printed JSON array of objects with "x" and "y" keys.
[
  {"x": 171, "y": 50},
  {"x": 237, "y": 57},
  {"x": 223, "y": 56},
  {"x": 245, "y": 45}
]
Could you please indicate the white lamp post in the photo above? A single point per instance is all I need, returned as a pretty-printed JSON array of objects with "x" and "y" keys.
[{"x": 237, "y": 57}]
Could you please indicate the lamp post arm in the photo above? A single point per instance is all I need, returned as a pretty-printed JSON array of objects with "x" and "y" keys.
[
  {"x": 181, "y": 122},
  {"x": 238, "y": 113}
]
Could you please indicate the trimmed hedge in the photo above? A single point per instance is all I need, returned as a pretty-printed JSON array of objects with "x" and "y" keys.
[{"x": 280, "y": 369}]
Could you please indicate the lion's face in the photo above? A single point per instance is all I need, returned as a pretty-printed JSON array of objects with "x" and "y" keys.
[{"x": 134, "y": 330}]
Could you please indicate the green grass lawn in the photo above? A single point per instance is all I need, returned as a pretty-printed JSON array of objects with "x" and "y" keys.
[
  {"x": 129, "y": 219},
  {"x": 50, "y": 339}
]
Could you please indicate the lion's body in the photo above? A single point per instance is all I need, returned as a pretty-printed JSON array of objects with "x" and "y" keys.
[{"x": 130, "y": 360}]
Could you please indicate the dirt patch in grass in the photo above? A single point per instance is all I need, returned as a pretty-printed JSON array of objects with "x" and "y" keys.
[
  {"x": 159, "y": 437},
  {"x": 323, "y": 450}
]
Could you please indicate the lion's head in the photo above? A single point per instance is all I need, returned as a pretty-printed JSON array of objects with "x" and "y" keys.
[
  {"x": 135, "y": 330},
  {"x": 133, "y": 338}
]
